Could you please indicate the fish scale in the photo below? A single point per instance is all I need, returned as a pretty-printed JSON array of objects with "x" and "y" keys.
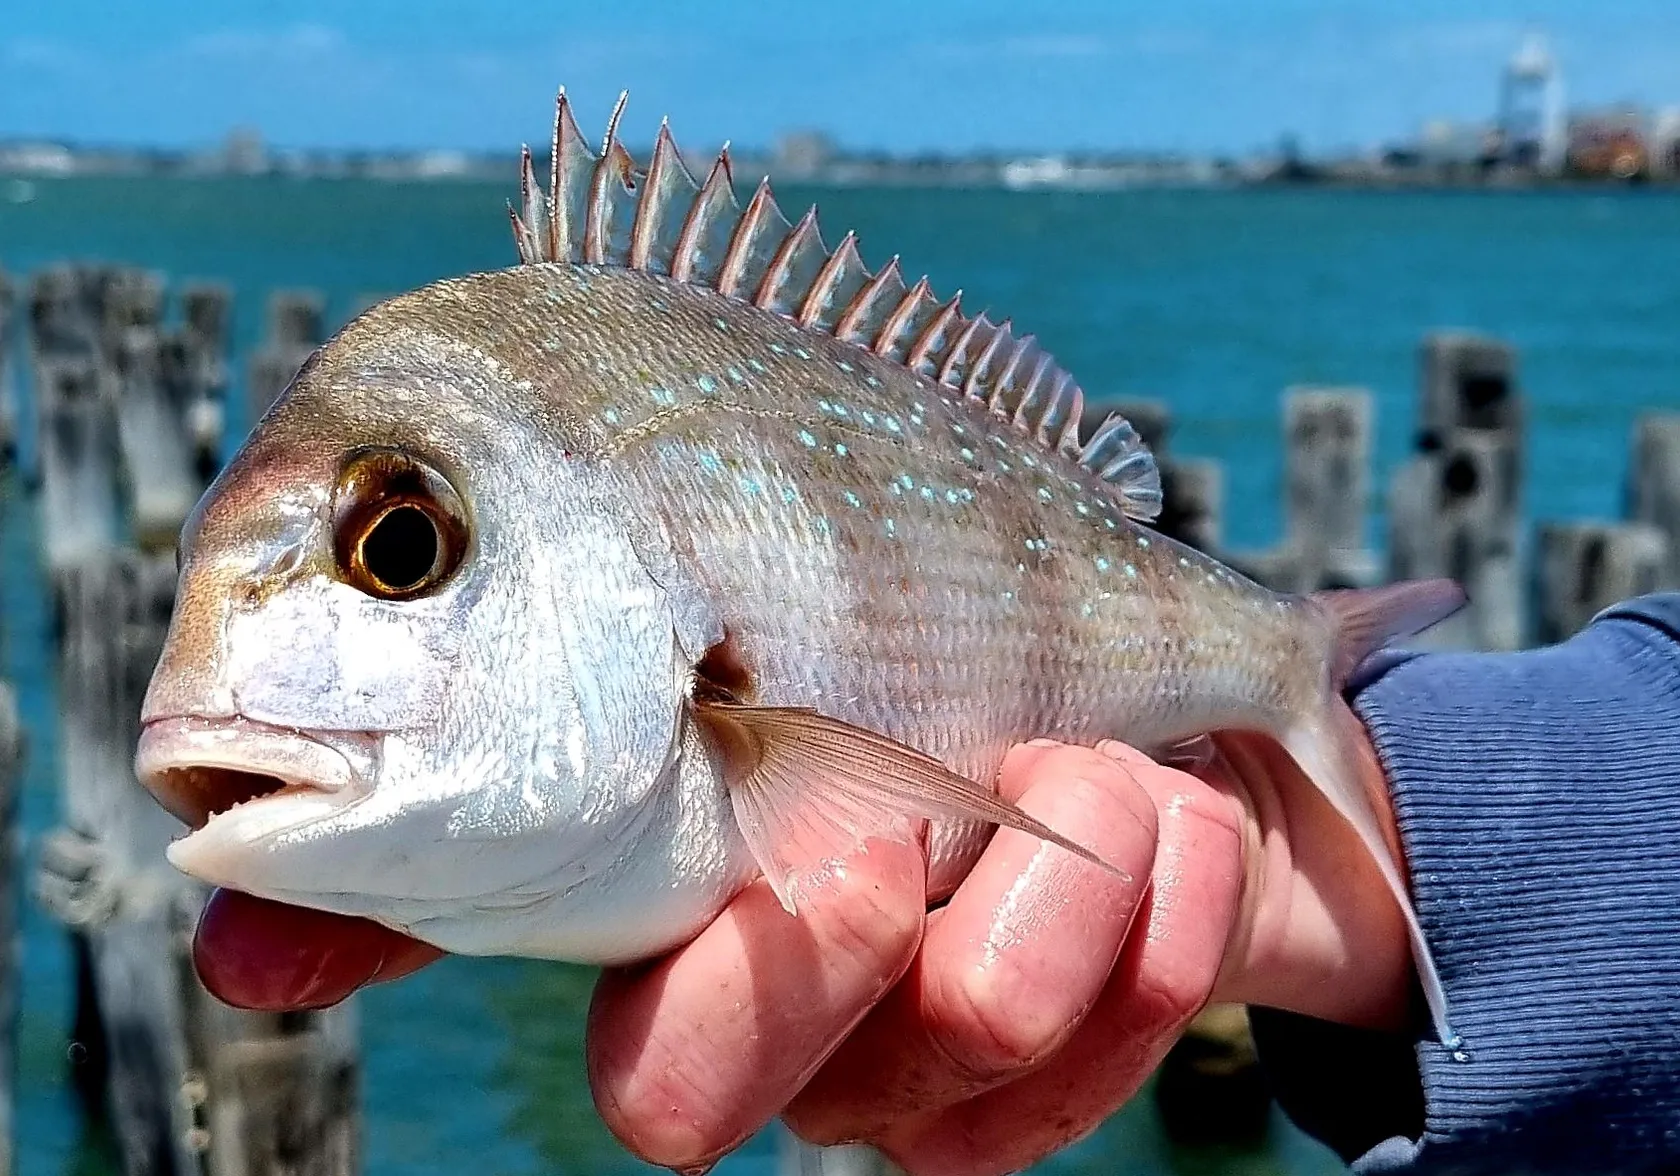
[{"x": 765, "y": 553}]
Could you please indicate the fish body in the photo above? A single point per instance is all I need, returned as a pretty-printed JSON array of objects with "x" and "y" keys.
[{"x": 716, "y": 516}]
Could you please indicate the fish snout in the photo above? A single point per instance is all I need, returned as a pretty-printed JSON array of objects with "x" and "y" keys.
[{"x": 200, "y": 767}]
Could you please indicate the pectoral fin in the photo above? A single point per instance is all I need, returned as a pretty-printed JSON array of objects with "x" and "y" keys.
[{"x": 807, "y": 789}]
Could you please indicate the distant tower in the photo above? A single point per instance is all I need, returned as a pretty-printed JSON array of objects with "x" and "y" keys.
[{"x": 1531, "y": 121}]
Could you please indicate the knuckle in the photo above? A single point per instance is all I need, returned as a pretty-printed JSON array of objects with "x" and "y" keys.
[
  {"x": 873, "y": 923},
  {"x": 982, "y": 1032}
]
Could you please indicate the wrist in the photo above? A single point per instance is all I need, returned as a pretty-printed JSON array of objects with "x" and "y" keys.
[{"x": 1317, "y": 930}]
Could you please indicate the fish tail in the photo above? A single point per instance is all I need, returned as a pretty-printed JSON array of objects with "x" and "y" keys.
[{"x": 1330, "y": 746}]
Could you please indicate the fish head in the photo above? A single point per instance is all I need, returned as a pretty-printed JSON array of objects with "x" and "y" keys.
[{"x": 419, "y": 669}]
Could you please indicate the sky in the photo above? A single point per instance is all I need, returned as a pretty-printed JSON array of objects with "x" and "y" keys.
[{"x": 896, "y": 75}]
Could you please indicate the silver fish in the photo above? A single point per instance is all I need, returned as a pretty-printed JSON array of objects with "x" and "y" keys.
[{"x": 550, "y": 606}]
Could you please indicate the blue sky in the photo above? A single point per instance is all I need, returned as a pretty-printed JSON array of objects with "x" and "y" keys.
[{"x": 897, "y": 74}]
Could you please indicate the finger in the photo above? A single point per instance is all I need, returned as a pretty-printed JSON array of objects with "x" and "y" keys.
[
  {"x": 690, "y": 1056},
  {"x": 1161, "y": 981},
  {"x": 256, "y": 954},
  {"x": 1010, "y": 966}
]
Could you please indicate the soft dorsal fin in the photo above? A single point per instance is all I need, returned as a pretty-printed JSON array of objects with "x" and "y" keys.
[{"x": 603, "y": 209}]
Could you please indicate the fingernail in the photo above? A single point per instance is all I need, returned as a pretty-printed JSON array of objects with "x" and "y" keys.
[{"x": 1043, "y": 742}]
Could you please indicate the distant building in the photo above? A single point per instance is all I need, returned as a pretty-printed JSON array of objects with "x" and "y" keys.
[
  {"x": 1665, "y": 143},
  {"x": 1531, "y": 127},
  {"x": 244, "y": 152},
  {"x": 1609, "y": 144},
  {"x": 802, "y": 154},
  {"x": 38, "y": 159}
]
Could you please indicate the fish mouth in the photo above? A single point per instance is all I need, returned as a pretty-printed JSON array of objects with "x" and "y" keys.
[{"x": 201, "y": 768}]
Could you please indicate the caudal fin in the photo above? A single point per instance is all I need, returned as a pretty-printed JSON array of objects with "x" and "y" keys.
[
  {"x": 1329, "y": 744},
  {"x": 1366, "y": 619}
]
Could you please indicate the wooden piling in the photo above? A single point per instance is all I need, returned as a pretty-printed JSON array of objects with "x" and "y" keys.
[
  {"x": 1456, "y": 508},
  {"x": 1653, "y": 492},
  {"x": 1586, "y": 567},
  {"x": 11, "y": 777},
  {"x": 1327, "y": 477},
  {"x": 188, "y": 1085},
  {"x": 294, "y": 330},
  {"x": 8, "y": 376}
]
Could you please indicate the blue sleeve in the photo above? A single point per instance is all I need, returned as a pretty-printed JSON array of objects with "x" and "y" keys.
[{"x": 1538, "y": 799}]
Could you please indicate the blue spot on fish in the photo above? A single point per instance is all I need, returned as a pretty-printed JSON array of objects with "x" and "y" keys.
[
  {"x": 843, "y": 366},
  {"x": 809, "y": 440},
  {"x": 711, "y": 463},
  {"x": 735, "y": 375},
  {"x": 756, "y": 366},
  {"x": 952, "y": 497},
  {"x": 778, "y": 349},
  {"x": 610, "y": 416},
  {"x": 1044, "y": 494},
  {"x": 707, "y": 384},
  {"x": 853, "y": 499},
  {"x": 892, "y": 425},
  {"x": 1131, "y": 571},
  {"x": 892, "y": 528},
  {"x": 1102, "y": 563},
  {"x": 927, "y": 493},
  {"x": 840, "y": 450},
  {"x": 790, "y": 495}
]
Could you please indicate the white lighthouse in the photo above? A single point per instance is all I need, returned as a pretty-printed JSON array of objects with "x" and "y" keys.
[{"x": 1531, "y": 118}]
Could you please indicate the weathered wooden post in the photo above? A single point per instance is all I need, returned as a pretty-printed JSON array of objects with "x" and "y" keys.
[
  {"x": 161, "y": 479},
  {"x": 1586, "y": 567},
  {"x": 189, "y": 1085},
  {"x": 8, "y": 384},
  {"x": 76, "y": 437},
  {"x": 195, "y": 356},
  {"x": 294, "y": 331},
  {"x": 1653, "y": 493},
  {"x": 1327, "y": 472},
  {"x": 11, "y": 777},
  {"x": 1456, "y": 509}
]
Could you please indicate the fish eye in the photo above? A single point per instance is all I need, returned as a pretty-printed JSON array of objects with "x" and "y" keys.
[{"x": 399, "y": 527}]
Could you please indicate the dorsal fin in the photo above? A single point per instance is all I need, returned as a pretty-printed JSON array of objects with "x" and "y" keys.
[{"x": 605, "y": 210}]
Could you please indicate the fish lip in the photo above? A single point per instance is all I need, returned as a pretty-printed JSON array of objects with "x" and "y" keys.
[{"x": 198, "y": 767}]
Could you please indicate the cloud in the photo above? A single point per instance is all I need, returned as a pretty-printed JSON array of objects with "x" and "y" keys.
[
  {"x": 41, "y": 54},
  {"x": 1054, "y": 45},
  {"x": 303, "y": 40}
]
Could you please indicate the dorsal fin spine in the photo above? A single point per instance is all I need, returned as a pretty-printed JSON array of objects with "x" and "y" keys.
[
  {"x": 740, "y": 242},
  {"x": 954, "y": 356},
  {"x": 551, "y": 243},
  {"x": 824, "y": 283},
  {"x": 755, "y": 255},
  {"x": 888, "y": 335},
  {"x": 780, "y": 265},
  {"x": 971, "y": 385},
  {"x": 856, "y": 308},
  {"x": 925, "y": 343}
]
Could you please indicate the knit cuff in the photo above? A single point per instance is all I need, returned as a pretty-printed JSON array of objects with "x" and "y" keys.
[{"x": 1538, "y": 800}]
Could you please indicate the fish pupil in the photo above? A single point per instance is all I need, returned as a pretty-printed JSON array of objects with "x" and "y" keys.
[{"x": 401, "y": 549}]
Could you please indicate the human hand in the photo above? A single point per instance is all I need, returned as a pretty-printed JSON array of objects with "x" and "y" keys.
[{"x": 1007, "y": 1023}]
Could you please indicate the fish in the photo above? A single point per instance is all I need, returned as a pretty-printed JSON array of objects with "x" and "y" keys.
[{"x": 551, "y": 606}]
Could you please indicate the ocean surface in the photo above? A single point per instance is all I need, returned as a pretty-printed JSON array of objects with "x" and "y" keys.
[{"x": 1211, "y": 300}]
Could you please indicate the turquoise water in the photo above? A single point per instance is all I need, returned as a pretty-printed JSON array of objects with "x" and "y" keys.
[{"x": 1214, "y": 301}]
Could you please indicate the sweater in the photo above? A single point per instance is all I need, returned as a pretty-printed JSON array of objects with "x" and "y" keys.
[{"x": 1538, "y": 800}]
